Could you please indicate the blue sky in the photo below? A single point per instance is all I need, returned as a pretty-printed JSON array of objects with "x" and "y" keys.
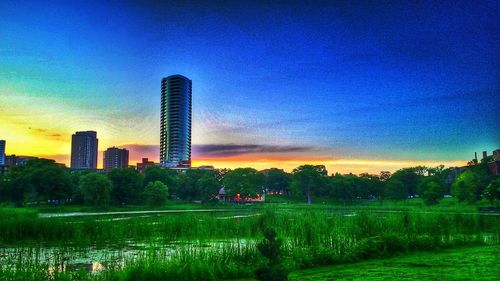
[{"x": 351, "y": 80}]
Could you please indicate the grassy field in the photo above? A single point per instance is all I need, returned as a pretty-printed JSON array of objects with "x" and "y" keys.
[{"x": 476, "y": 263}]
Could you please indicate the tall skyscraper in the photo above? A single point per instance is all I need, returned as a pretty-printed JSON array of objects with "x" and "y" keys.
[
  {"x": 2, "y": 152},
  {"x": 115, "y": 158},
  {"x": 84, "y": 150},
  {"x": 175, "y": 140}
]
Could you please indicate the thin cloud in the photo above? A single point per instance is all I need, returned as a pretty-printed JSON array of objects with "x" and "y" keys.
[
  {"x": 227, "y": 150},
  {"x": 138, "y": 151},
  {"x": 37, "y": 130}
]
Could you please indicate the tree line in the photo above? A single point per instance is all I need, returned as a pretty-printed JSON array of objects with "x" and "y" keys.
[{"x": 41, "y": 181}]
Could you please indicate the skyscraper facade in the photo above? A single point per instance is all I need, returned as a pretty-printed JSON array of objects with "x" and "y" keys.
[
  {"x": 84, "y": 147},
  {"x": 175, "y": 132},
  {"x": 2, "y": 152},
  {"x": 115, "y": 158}
]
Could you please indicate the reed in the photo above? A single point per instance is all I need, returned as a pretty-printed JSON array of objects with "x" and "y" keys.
[{"x": 210, "y": 247}]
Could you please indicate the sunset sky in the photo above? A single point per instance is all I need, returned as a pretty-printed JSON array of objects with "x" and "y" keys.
[{"x": 358, "y": 87}]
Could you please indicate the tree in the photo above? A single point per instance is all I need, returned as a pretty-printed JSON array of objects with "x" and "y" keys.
[
  {"x": 186, "y": 184},
  {"x": 3, "y": 188},
  {"x": 410, "y": 178},
  {"x": 17, "y": 184},
  {"x": 186, "y": 188},
  {"x": 96, "y": 189},
  {"x": 340, "y": 189},
  {"x": 309, "y": 179},
  {"x": 270, "y": 248},
  {"x": 156, "y": 193},
  {"x": 277, "y": 180},
  {"x": 247, "y": 182},
  {"x": 466, "y": 186},
  {"x": 384, "y": 175},
  {"x": 155, "y": 173},
  {"x": 432, "y": 193},
  {"x": 39, "y": 179},
  {"x": 492, "y": 191},
  {"x": 207, "y": 185},
  {"x": 395, "y": 190},
  {"x": 127, "y": 186}
]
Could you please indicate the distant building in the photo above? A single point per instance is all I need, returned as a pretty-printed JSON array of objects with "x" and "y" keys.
[
  {"x": 494, "y": 164},
  {"x": 3, "y": 166},
  {"x": 2, "y": 152},
  {"x": 175, "y": 129},
  {"x": 14, "y": 160},
  {"x": 141, "y": 167},
  {"x": 485, "y": 154},
  {"x": 84, "y": 147},
  {"x": 115, "y": 158},
  {"x": 496, "y": 155},
  {"x": 494, "y": 167}
]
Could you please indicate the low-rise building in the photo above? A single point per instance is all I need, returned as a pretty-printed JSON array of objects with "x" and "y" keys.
[{"x": 141, "y": 167}]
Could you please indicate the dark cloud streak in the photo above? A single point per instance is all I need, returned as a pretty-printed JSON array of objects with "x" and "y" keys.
[{"x": 218, "y": 150}]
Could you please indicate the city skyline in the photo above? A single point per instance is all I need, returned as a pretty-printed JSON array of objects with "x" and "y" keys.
[{"x": 359, "y": 88}]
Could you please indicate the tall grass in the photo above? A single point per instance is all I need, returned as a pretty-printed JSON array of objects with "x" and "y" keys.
[{"x": 311, "y": 238}]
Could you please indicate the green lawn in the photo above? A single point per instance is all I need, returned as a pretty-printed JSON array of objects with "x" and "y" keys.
[{"x": 478, "y": 263}]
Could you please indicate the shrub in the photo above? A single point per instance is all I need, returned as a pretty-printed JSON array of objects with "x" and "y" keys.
[
  {"x": 156, "y": 193},
  {"x": 270, "y": 248}
]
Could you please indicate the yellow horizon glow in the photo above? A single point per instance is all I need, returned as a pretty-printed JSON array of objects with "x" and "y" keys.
[{"x": 343, "y": 166}]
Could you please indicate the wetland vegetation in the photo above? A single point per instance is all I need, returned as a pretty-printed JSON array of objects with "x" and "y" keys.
[{"x": 169, "y": 226}]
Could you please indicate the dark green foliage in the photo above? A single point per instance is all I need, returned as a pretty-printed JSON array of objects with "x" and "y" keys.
[
  {"x": 410, "y": 178},
  {"x": 156, "y": 194},
  {"x": 197, "y": 185},
  {"x": 244, "y": 181},
  {"x": 95, "y": 189},
  {"x": 466, "y": 186},
  {"x": 308, "y": 180},
  {"x": 207, "y": 185},
  {"x": 492, "y": 191},
  {"x": 270, "y": 248},
  {"x": 127, "y": 186},
  {"x": 43, "y": 182},
  {"x": 38, "y": 180},
  {"x": 186, "y": 183},
  {"x": 278, "y": 180},
  {"x": 166, "y": 176},
  {"x": 394, "y": 189},
  {"x": 432, "y": 192},
  {"x": 349, "y": 188}
]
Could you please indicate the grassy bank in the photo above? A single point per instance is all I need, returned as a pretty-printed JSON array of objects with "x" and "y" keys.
[{"x": 476, "y": 263}]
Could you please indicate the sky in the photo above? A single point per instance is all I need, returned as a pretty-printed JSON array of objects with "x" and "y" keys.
[{"x": 359, "y": 86}]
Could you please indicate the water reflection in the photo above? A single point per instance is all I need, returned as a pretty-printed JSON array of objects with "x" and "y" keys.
[{"x": 92, "y": 259}]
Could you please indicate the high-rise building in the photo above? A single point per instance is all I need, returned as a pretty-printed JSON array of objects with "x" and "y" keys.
[
  {"x": 84, "y": 150},
  {"x": 2, "y": 152},
  {"x": 115, "y": 158},
  {"x": 175, "y": 140}
]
